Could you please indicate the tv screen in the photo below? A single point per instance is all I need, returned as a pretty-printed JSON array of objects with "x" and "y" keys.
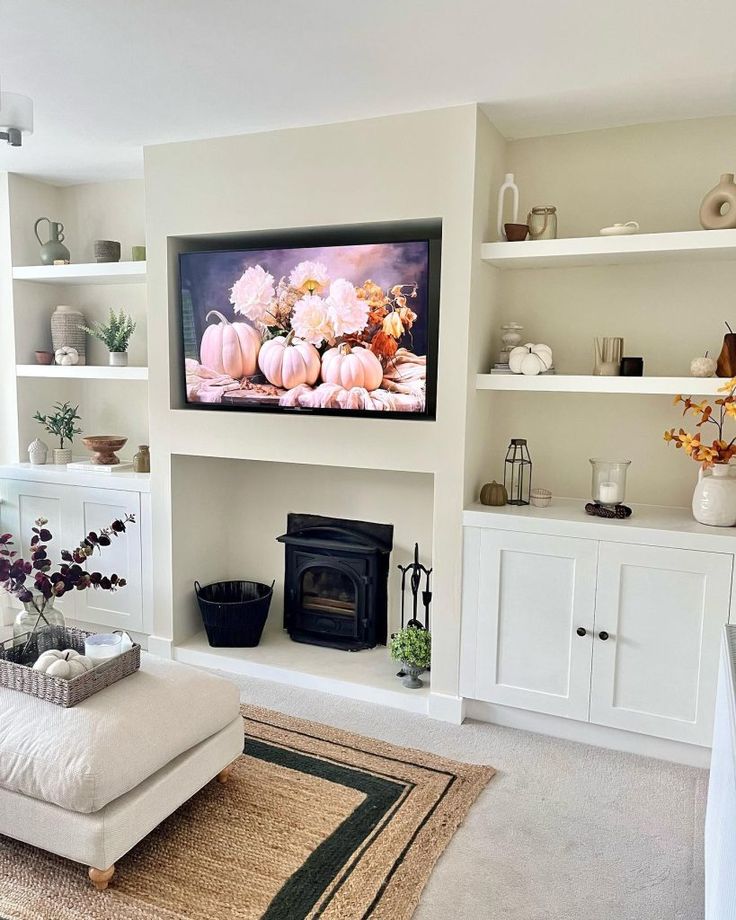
[{"x": 341, "y": 328}]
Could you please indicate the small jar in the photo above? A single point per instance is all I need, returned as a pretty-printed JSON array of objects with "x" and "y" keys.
[
  {"x": 542, "y": 223},
  {"x": 142, "y": 460}
]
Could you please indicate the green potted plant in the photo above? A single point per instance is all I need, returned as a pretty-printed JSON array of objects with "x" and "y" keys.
[
  {"x": 115, "y": 335},
  {"x": 412, "y": 646},
  {"x": 60, "y": 423}
]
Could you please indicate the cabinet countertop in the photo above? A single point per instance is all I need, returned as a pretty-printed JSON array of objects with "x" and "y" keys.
[
  {"x": 649, "y": 524},
  {"x": 124, "y": 481}
]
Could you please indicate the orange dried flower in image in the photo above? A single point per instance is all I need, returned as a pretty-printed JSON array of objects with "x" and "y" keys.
[
  {"x": 720, "y": 450},
  {"x": 383, "y": 345}
]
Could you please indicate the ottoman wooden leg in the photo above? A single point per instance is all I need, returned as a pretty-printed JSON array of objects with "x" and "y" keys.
[
  {"x": 100, "y": 878},
  {"x": 224, "y": 775}
]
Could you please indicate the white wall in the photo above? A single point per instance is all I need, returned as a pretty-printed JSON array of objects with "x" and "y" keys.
[
  {"x": 406, "y": 167},
  {"x": 656, "y": 174},
  {"x": 229, "y": 531}
]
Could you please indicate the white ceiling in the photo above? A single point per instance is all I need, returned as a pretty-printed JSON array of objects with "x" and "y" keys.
[{"x": 109, "y": 76}]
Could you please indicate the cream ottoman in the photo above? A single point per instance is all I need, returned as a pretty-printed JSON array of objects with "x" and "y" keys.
[{"x": 89, "y": 782}]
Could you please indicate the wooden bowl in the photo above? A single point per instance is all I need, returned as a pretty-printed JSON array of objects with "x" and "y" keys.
[{"x": 103, "y": 447}]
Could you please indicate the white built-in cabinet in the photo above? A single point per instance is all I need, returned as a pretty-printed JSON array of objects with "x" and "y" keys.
[
  {"x": 72, "y": 512},
  {"x": 623, "y": 635}
]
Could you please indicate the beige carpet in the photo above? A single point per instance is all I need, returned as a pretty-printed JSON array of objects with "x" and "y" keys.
[{"x": 315, "y": 822}]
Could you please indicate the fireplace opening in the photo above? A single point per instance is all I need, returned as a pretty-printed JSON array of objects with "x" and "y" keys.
[{"x": 336, "y": 581}]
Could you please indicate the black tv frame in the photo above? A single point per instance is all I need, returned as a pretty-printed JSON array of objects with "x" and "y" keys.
[{"x": 429, "y": 231}]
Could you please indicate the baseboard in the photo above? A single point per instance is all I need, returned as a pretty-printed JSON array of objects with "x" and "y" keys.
[
  {"x": 615, "y": 739},
  {"x": 164, "y": 648},
  {"x": 446, "y": 708}
]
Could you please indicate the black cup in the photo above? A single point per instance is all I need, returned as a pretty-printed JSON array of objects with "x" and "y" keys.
[{"x": 632, "y": 367}]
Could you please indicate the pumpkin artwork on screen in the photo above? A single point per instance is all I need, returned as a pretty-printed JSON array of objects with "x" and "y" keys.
[{"x": 312, "y": 333}]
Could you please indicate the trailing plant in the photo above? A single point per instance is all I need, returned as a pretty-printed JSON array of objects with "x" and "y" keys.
[
  {"x": 719, "y": 450},
  {"x": 61, "y": 422},
  {"x": 413, "y": 646},
  {"x": 115, "y": 333},
  {"x": 36, "y": 580}
]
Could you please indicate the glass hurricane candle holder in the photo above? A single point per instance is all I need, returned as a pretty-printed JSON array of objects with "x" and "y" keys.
[{"x": 609, "y": 481}]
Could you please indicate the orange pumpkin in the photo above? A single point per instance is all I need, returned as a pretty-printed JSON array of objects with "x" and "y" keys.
[
  {"x": 352, "y": 367},
  {"x": 229, "y": 348},
  {"x": 287, "y": 361}
]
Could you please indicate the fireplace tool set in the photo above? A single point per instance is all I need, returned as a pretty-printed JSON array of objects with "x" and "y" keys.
[{"x": 414, "y": 572}]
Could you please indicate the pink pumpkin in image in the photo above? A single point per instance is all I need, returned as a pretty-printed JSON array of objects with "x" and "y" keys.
[
  {"x": 352, "y": 367},
  {"x": 230, "y": 348},
  {"x": 287, "y": 361}
]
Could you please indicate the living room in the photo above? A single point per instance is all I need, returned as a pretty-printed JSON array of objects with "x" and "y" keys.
[{"x": 351, "y": 490}]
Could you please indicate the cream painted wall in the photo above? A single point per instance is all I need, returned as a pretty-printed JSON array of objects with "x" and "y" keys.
[
  {"x": 656, "y": 174},
  {"x": 8, "y": 404},
  {"x": 406, "y": 167},
  {"x": 241, "y": 508},
  {"x": 111, "y": 210}
]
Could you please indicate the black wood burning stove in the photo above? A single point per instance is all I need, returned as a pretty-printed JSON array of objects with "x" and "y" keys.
[{"x": 335, "y": 590}]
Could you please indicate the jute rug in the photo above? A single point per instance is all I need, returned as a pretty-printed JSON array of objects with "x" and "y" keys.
[{"x": 314, "y": 822}]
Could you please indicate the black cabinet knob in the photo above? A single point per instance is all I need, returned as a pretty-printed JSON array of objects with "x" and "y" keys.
[
  {"x": 603, "y": 635},
  {"x": 581, "y": 631}
]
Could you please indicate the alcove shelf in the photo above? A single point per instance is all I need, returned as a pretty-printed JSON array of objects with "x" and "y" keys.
[
  {"x": 89, "y": 273},
  {"x": 85, "y": 372},
  {"x": 680, "y": 246},
  {"x": 582, "y": 383}
]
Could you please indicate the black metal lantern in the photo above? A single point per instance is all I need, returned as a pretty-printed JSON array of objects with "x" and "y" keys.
[{"x": 517, "y": 472}]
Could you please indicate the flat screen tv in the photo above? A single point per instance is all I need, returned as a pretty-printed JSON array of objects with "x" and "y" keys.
[{"x": 320, "y": 325}]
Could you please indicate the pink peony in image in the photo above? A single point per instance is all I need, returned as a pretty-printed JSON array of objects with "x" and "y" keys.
[
  {"x": 309, "y": 277},
  {"x": 311, "y": 320},
  {"x": 253, "y": 293},
  {"x": 347, "y": 312}
]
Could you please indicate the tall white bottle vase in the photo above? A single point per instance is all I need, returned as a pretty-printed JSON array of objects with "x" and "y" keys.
[{"x": 508, "y": 183}]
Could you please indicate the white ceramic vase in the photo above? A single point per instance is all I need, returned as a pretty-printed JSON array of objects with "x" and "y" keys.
[{"x": 714, "y": 498}]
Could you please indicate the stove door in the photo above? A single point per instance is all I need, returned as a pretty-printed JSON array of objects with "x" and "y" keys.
[{"x": 329, "y": 598}]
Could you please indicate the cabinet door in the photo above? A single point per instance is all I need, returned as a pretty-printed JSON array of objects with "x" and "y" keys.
[
  {"x": 97, "y": 508},
  {"x": 534, "y": 592},
  {"x": 22, "y": 504},
  {"x": 663, "y": 610}
]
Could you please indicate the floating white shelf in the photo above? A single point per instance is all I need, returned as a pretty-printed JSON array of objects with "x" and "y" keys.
[
  {"x": 91, "y": 273},
  {"x": 688, "y": 245},
  {"x": 569, "y": 383},
  {"x": 85, "y": 372}
]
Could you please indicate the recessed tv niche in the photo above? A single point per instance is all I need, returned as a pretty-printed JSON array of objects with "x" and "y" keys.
[{"x": 318, "y": 324}]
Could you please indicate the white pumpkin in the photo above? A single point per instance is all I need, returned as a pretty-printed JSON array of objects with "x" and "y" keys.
[
  {"x": 530, "y": 359},
  {"x": 703, "y": 366},
  {"x": 66, "y": 664},
  {"x": 229, "y": 348},
  {"x": 287, "y": 361},
  {"x": 352, "y": 367},
  {"x": 66, "y": 356}
]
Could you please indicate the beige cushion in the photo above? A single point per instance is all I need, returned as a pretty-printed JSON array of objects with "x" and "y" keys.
[{"x": 84, "y": 757}]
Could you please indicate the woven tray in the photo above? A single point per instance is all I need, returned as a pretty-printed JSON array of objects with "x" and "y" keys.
[{"x": 16, "y": 671}]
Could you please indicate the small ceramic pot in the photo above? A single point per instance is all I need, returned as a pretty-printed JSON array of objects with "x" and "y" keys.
[
  {"x": 515, "y": 233},
  {"x": 38, "y": 452},
  {"x": 62, "y": 455},
  {"x": 118, "y": 358},
  {"x": 107, "y": 251},
  {"x": 411, "y": 676},
  {"x": 44, "y": 357},
  {"x": 714, "y": 498},
  {"x": 540, "y": 498}
]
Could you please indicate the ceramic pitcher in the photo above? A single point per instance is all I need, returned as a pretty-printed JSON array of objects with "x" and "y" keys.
[
  {"x": 53, "y": 250},
  {"x": 714, "y": 498}
]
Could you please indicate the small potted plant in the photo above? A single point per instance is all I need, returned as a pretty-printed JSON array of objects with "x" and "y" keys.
[
  {"x": 60, "y": 423},
  {"x": 412, "y": 646},
  {"x": 115, "y": 335}
]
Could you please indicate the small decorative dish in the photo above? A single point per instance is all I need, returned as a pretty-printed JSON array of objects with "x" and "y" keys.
[{"x": 541, "y": 498}]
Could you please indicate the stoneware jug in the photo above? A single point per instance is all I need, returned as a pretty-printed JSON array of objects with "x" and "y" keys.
[
  {"x": 714, "y": 498},
  {"x": 712, "y": 213},
  {"x": 53, "y": 250}
]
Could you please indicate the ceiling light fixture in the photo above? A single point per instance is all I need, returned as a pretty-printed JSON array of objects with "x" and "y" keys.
[{"x": 16, "y": 118}]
